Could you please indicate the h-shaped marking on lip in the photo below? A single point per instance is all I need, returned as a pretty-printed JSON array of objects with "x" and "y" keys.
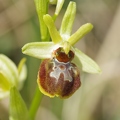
[{"x": 61, "y": 68}]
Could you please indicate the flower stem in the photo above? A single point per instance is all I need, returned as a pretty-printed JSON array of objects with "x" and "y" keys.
[
  {"x": 42, "y": 9},
  {"x": 35, "y": 103}
]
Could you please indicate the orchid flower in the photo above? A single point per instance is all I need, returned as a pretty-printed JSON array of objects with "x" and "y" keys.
[
  {"x": 10, "y": 75},
  {"x": 59, "y": 73}
]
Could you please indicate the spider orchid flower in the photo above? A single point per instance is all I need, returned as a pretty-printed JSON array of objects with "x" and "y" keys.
[{"x": 59, "y": 73}]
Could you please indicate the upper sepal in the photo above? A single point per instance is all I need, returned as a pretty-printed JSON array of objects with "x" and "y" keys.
[{"x": 67, "y": 22}]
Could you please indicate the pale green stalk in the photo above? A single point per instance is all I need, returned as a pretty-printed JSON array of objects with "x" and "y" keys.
[
  {"x": 42, "y": 9},
  {"x": 35, "y": 103}
]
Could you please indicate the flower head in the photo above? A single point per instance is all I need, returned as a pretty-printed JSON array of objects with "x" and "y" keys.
[{"x": 59, "y": 73}]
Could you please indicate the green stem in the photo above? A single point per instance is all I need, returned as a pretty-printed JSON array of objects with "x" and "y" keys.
[
  {"x": 42, "y": 9},
  {"x": 35, "y": 103}
]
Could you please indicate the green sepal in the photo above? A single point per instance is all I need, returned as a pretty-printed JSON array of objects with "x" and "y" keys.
[
  {"x": 39, "y": 50},
  {"x": 56, "y": 38},
  {"x": 8, "y": 75},
  {"x": 81, "y": 32},
  {"x": 9, "y": 69},
  {"x": 85, "y": 63},
  {"x": 67, "y": 22},
  {"x": 18, "y": 109},
  {"x": 22, "y": 71}
]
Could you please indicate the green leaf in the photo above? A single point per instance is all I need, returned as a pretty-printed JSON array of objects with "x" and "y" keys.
[
  {"x": 67, "y": 22},
  {"x": 81, "y": 32},
  {"x": 18, "y": 109},
  {"x": 39, "y": 50},
  {"x": 42, "y": 9},
  {"x": 85, "y": 63},
  {"x": 22, "y": 71},
  {"x": 56, "y": 38}
]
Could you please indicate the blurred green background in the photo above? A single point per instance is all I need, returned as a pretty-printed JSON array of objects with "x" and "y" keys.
[{"x": 99, "y": 96}]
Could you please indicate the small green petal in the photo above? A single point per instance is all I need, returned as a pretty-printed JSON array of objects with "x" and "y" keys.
[
  {"x": 67, "y": 22},
  {"x": 56, "y": 38},
  {"x": 18, "y": 109},
  {"x": 22, "y": 71},
  {"x": 39, "y": 50},
  {"x": 59, "y": 6},
  {"x": 85, "y": 63},
  {"x": 81, "y": 32}
]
